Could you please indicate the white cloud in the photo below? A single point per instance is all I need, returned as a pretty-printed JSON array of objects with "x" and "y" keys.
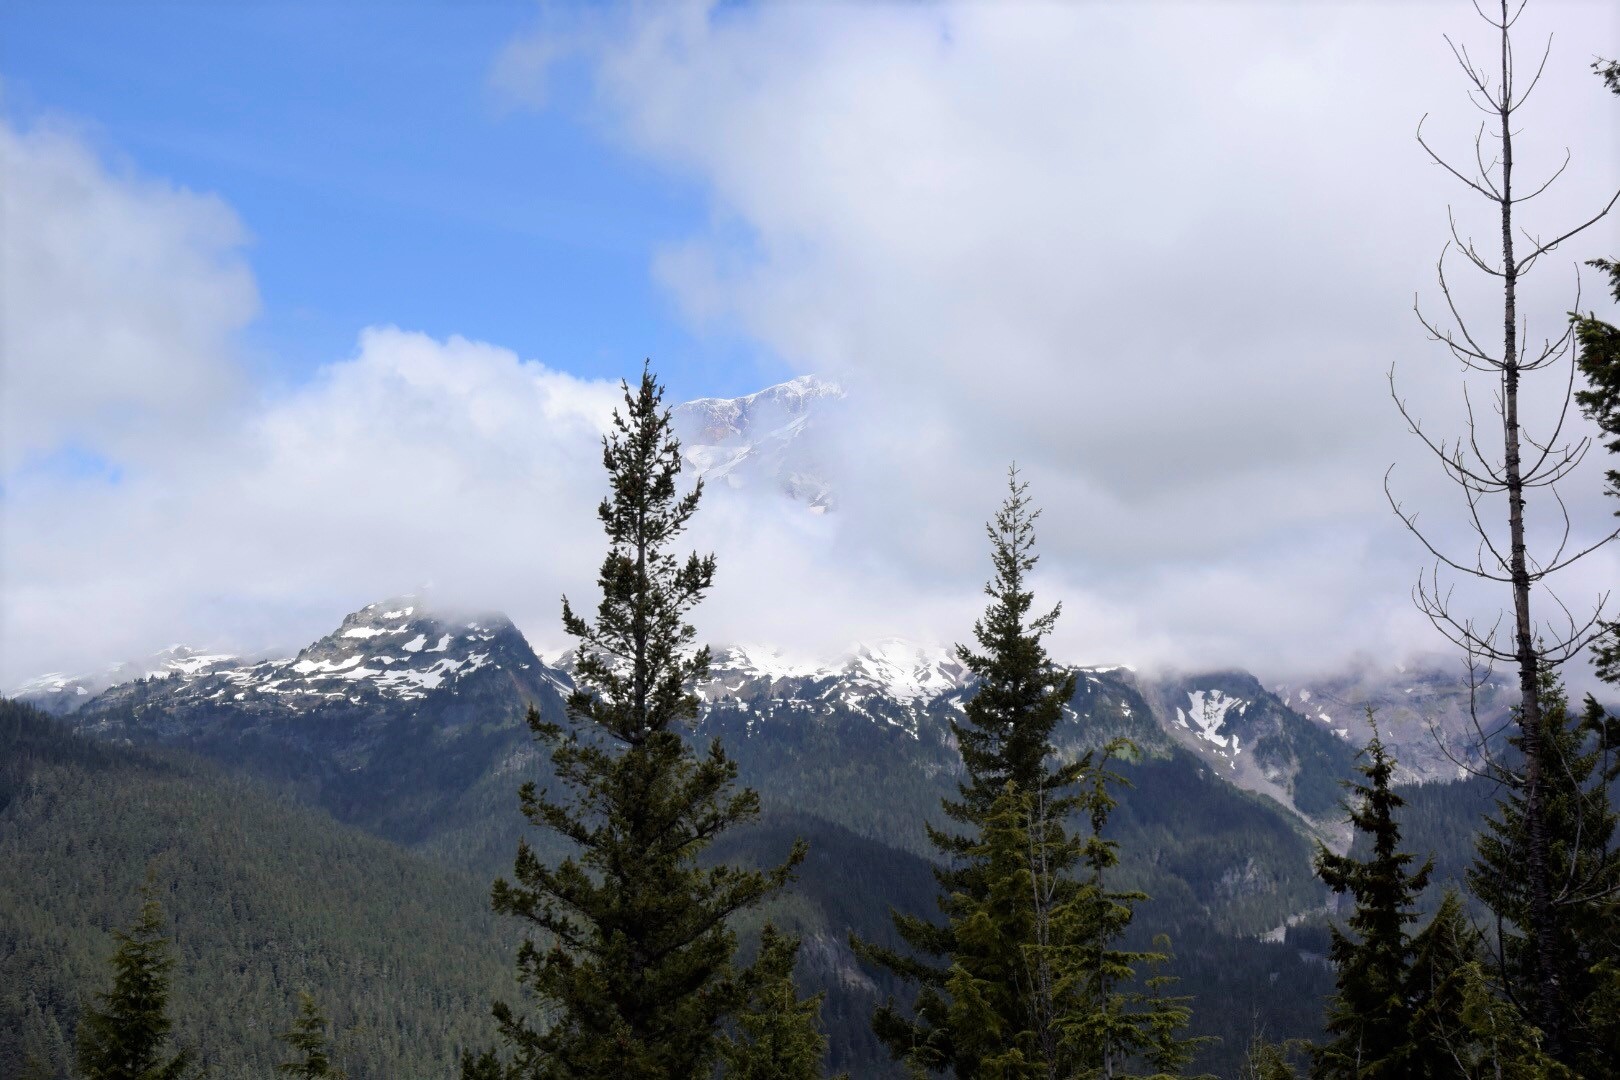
[
  {"x": 1161, "y": 255},
  {"x": 120, "y": 297},
  {"x": 414, "y": 462}
]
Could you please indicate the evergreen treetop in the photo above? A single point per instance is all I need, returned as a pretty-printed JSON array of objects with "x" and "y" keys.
[
  {"x": 1113, "y": 1023},
  {"x": 1024, "y": 978},
  {"x": 309, "y": 1039},
  {"x": 777, "y": 1036},
  {"x": 634, "y": 671},
  {"x": 125, "y": 1035},
  {"x": 1019, "y": 694},
  {"x": 1460, "y": 1025},
  {"x": 1581, "y": 822},
  {"x": 1004, "y": 738},
  {"x": 1369, "y": 1020},
  {"x": 634, "y": 965}
]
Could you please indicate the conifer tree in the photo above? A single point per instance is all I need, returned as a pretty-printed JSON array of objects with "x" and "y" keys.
[
  {"x": 1585, "y": 932},
  {"x": 1007, "y": 986},
  {"x": 126, "y": 1035},
  {"x": 1109, "y": 1028},
  {"x": 1266, "y": 1060},
  {"x": 634, "y": 966},
  {"x": 308, "y": 1038},
  {"x": 998, "y": 989},
  {"x": 1460, "y": 1026},
  {"x": 1004, "y": 737},
  {"x": 1369, "y": 1019},
  {"x": 778, "y": 1035},
  {"x": 1598, "y": 356}
]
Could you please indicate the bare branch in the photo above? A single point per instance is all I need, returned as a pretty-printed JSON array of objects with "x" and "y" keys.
[
  {"x": 1446, "y": 165},
  {"x": 1524, "y": 264}
]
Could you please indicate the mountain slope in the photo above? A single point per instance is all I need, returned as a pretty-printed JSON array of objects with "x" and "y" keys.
[
  {"x": 408, "y": 723},
  {"x": 263, "y": 898}
]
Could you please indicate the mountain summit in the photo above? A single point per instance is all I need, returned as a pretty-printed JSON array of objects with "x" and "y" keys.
[{"x": 771, "y": 439}]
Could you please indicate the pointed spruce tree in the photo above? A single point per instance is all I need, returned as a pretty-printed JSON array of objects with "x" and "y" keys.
[
  {"x": 1460, "y": 1026},
  {"x": 310, "y": 1040},
  {"x": 632, "y": 962},
  {"x": 1004, "y": 737},
  {"x": 1114, "y": 1024},
  {"x": 1369, "y": 1018},
  {"x": 125, "y": 1035},
  {"x": 1584, "y": 935},
  {"x": 998, "y": 990}
]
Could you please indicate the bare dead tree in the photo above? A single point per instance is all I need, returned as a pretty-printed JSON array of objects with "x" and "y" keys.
[{"x": 1523, "y": 463}]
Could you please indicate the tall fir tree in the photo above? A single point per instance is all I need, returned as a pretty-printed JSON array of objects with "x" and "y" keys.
[
  {"x": 999, "y": 993},
  {"x": 1598, "y": 356},
  {"x": 1004, "y": 737},
  {"x": 310, "y": 1040},
  {"x": 1369, "y": 1018},
  {"x": 1598, "y": 343},
  {"x": 634, "y": 963},
  {"x": 125, "y": 1036},
  {"x": 1585, "y": 931}
]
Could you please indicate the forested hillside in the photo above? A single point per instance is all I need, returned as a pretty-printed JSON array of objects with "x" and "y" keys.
[
  {"x": 305, "y": 902},
  {"x": 265, "y": 898}
]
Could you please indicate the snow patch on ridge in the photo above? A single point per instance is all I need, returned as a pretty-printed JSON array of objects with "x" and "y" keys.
[{"x": 1206, "y": 715}]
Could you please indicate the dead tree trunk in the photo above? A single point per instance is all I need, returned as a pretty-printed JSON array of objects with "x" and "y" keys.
[{"x": 1482, "y": 475}]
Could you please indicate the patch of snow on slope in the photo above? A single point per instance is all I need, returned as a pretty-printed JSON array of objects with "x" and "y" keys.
[
  {"x": 371, "y": 631},
  {"x": 1206, "y": 713},
  {"x": 192, "y": 664},
  {"x": 52, "y": 682}
]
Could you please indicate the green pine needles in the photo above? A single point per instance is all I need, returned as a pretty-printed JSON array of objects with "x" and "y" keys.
[
  {"x": 1369, "y": 1021},
  {"x": 309, "y": 1039},
  {"x": 778, "y": 1034},
  {"x": 1024, "y": 978},
  {"x": 632, "y": 962},
  {"x": 1423, "y": 1005},
  {"x": 125, "y": 1035},
  {"x": 1585, "y": 934}
]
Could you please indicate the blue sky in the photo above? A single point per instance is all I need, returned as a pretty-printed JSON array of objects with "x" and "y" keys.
[{"x": 381, "y": 178}]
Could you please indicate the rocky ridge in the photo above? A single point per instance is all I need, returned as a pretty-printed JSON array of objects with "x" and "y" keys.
[{"x": 400, "y": 658}]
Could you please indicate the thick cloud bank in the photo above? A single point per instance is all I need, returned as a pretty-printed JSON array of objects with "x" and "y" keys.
[{"x": 1162, "y": 257}]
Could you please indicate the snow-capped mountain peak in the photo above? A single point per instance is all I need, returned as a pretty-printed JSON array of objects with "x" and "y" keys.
[
  {"x": 905, "y": 671},
  {"x": 764, "y": 440},
  {"x": 396, "y": 651},
  {"x": 764, "y": 661}
]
